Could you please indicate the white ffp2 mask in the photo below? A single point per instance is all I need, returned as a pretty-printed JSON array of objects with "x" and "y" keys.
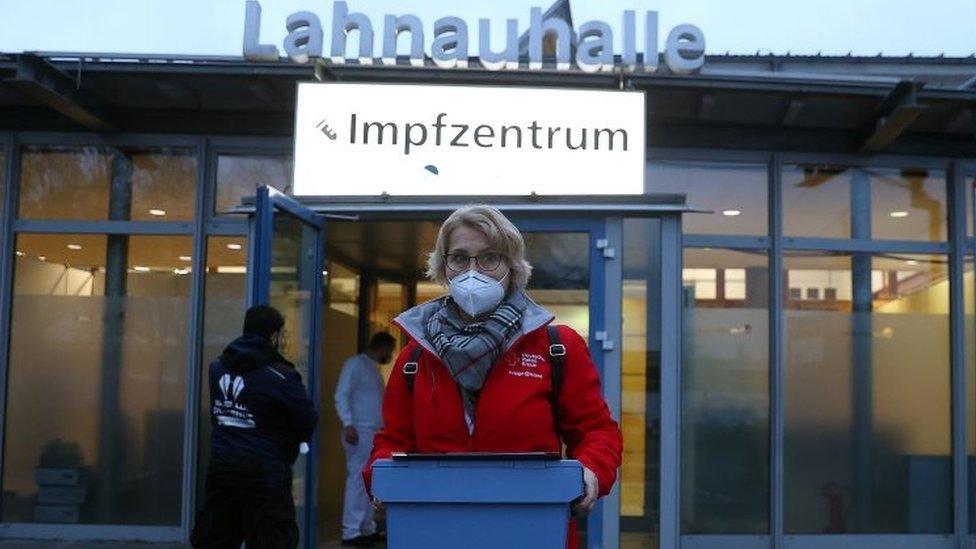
[{"x": 477, "y": 293}]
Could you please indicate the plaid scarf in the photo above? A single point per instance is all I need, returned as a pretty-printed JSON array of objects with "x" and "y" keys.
[{"x": 470, "y": 349}]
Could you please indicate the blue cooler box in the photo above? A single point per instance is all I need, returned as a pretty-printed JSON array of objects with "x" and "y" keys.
[{"x": 475, "y": 501}]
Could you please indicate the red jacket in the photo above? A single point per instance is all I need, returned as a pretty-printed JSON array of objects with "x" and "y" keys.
[{"x": 514, "y": 410}]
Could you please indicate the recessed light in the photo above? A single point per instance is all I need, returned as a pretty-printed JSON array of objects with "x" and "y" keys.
[
  {"x": 731, "y": 213},
  {"x": 42, "y": 257},
  {"x": 234, "y": 247},
  {"x": 899, "y": 214},
  {"x": 140, "y": 269},
  {"x": 20, "y": 253},
  {"x": 74, "y": 247},
  {"x": 157, "y": 212},
  {"x": 185, "y": 258}
]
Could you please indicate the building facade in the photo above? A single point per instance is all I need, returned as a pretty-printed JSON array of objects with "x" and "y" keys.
[{"x": 825, "y": 392}]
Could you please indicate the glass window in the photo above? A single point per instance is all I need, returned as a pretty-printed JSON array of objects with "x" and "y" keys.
[
  {"x": 970, "y": 341},
  {"x": 970, "y": 186},
  {"x": 867, "y": 396},
  {"x": 240, "y": 176},
  {"x": 816, "y": 201},
  {"x": 725, "y": 393},
  {"x": 3, "y": 182},
  {"x": 94, "y": 431},
  {"x": 640, "y": 409},
  {"x": 908, "y": 204},
  {"x": 560, "y": 279},
  {"x": 905, "y": 204},
  {"x": 225, "y": 285},
  {"x": 735, "y": 193},
  {"x": 76, "y": 183}
]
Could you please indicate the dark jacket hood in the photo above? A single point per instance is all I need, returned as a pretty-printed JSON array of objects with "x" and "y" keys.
[{"x": 251, "y": 351}]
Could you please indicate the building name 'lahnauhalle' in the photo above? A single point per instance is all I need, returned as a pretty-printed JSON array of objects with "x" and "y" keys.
[{"x": 593, "y": 43}]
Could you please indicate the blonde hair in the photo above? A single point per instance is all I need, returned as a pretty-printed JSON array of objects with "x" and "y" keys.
[{"x": 501, "y": 234}]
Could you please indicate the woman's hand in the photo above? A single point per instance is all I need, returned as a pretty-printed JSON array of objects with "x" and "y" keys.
[{"x": 585, "y": 505}]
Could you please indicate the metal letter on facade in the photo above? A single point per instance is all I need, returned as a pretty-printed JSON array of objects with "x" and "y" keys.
[
  {"x": 450, "y": 47},
  {"x": 304, "y": 38},
  {"x": 685, "y": 49},
  {"x": 254, "y": 50},
  {"x": 506, "y": 59},
  {"x": 595, "y": 49},
  {"x": 538, "y": 28},
  {"x": 343, "y": 23},
  {"x": 393, "y": 26}
]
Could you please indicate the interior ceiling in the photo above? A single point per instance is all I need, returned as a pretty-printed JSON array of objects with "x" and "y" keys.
[
  {"x": 397, "y": 250},
  {"x": 387, "y": 248}
]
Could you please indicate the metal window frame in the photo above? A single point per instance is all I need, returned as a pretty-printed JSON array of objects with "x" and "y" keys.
[
  {"x": 671, "y": 326},
  {"x": 202, "y": 228},
  {"x": 269, "y": 203},
  {"x": 12, "y": 226},
  {"x": 956, "y": 180},
  {"x": 7, "y": 258},
  {"x": 778, "y": 246}
]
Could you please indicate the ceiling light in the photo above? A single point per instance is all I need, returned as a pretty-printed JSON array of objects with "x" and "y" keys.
[
  {"x": 731, "y": 213},
  {"x": 185, "y": 258},
  {"x": 912, "y": 262},
  {"x": 75, "y": 247},
  {"x": 157, "y": 212},
  {"x": 181, "y": 271},
  {"x": 140, "y": 269},
  {"x": 20, "y": 253},
  {"x": 234, "y": 247},
  {"x": 899, "y": 214},
  {"x": 42, "y": 257}
]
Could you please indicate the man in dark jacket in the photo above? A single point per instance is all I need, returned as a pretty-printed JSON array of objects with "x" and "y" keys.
[{"x": 261, "y": 414}]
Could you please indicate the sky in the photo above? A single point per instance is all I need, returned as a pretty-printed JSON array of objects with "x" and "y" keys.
[{"x": 215, "y": 27}]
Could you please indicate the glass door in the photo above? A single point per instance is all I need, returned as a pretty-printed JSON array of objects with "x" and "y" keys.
[{"x": 285, "y": 271}]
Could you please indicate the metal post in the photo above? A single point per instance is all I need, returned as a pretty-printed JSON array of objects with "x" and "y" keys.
[
  {"x": 670, "y": 381},
  {"x": 957, "y": 350},
  {"x": 194, "y": 384},
  {"x": 862, "y": 366},
  {"x": 777, "y": 366},
  {"x": 7, "y": 258},
  {"x": 613, "y": 363},
  {"x": 110, "y": 450}
]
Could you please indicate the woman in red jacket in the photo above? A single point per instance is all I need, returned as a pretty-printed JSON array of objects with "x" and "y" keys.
[{"x": 483, "y": 378}]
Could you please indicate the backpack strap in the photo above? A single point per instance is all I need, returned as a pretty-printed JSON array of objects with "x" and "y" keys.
[
  {"x": 412, "y": 365},
  {"x": 557, "y": 358}
]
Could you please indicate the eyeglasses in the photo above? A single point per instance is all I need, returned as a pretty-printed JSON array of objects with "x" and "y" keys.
[{"x": 459, "y": 262}]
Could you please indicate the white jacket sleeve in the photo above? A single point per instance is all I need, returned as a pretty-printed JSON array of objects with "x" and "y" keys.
[{"x": 343, "y": 392}]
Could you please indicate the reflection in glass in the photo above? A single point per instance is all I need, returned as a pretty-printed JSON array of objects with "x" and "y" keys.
[
  {"x": 225, "y": 284},
  {"x": 240, "y": 176},
  {"x": 339, "y": 342},
  {"x": 908, "y": 204},
  {"x": 905, "y": 204},
  {"x": 816, "y": 201},
  {"x": 734, "y": 193},
  {"x": 970, "y": 342},
  {"x": 561, "y": 276},
  {"x": 107, "y": 184},
  {"x": 867, "y": 395},
  {"x": 724, "y": 395},
  {"x": 640, "y": 402},
  {"x": 293, "y": 252},
  {"x": 94, "y": 431}
]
